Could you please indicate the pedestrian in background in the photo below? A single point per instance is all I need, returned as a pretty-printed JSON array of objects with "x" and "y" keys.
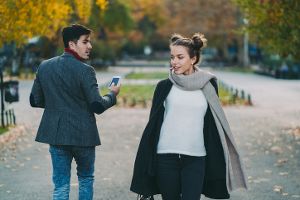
[
  {"x": 67, "y": 89},
  {"x": 187, "y": 148}
]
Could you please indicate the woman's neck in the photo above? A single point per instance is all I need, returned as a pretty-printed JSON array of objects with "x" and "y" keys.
[{"x": 190, "y": 71}]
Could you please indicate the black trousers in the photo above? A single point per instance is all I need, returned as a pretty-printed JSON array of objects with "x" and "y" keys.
[{"x": 180, "y": 177}]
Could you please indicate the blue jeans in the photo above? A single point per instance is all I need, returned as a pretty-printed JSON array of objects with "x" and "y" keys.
[
  {"x": 180, "y": 177},
  {"x": 62, "y": 157}
]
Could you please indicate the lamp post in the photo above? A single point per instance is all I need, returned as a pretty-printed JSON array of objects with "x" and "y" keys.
[
  {"x": 246, "y": 45},
  {"x": 2, "y": 60}
]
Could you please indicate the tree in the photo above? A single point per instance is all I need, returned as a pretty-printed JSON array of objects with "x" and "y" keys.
[
  {"x": 111, "y": 28},
  {"x": 24, "y": 19},
  {"x": 21, "y": 20},
  {"x": 274, "y": 24},
  {"x": 216, "y": 19}
]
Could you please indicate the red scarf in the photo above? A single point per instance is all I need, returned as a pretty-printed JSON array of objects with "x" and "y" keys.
[{"x": 74, "y": 54}]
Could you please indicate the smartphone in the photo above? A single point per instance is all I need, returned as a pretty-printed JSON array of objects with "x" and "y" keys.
[{"x": 115, "y": 80}]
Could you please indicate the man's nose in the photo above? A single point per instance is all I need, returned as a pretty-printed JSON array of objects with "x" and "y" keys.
[{"x": 90, "y": 46}]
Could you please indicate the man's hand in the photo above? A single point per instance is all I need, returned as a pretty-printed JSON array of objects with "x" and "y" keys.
[{"x": 115, "y": 88}]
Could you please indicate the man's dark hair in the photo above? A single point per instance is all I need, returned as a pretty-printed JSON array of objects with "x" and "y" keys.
[{"x": 73, "y": 33}]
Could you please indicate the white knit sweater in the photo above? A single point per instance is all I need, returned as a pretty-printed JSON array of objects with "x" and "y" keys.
[{"x": 182, "y": 128}]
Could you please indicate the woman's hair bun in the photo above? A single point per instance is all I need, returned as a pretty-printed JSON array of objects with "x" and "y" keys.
[
  {"x": 199, "y": 41},
  {"x": 175, "y": 37}
]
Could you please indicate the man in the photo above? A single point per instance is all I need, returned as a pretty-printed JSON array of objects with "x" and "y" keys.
[{"x": 67, "y": 89}]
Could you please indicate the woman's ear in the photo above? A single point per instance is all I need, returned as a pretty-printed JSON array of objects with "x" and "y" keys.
[{"x": 193, "y": 60}]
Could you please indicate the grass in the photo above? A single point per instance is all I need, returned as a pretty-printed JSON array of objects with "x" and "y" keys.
[
  {"x": 148, "y": 75},
  {"x": 3, "y": 130},
  {"x": 134, "y": 95},
  {"x": 227, "y": 98},
  {"x": 141, "y": 96}
]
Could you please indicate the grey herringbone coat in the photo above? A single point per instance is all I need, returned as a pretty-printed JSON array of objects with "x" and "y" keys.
[{"x": 66, "y": 88}]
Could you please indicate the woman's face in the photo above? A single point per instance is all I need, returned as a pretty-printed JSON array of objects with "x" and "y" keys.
[{"x": 181, "y": 62}]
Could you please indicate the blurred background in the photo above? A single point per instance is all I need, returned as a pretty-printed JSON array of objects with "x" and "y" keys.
[{"x": 261, "y": 34}]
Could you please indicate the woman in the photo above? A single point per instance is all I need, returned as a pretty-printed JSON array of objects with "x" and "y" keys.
[{"x": 187, "y": 148}]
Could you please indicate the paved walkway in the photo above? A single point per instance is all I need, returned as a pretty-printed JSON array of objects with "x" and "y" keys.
[{"x": 268, "y": 143}]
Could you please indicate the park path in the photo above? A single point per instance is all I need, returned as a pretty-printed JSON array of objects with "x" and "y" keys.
[{"x": 265, "y": 133}]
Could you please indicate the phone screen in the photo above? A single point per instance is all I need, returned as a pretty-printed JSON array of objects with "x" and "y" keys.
[{"x": 115, "y": 80}]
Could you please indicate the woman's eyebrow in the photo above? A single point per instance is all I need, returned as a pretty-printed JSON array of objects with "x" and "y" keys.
[{"x": 180, "y": 54}]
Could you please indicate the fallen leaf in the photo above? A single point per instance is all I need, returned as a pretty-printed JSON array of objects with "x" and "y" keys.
[
  {"x": 268, "y": 171},
  {"x": 259, "y": 180},
  {"x": 276, "y": 149},
  {"x": 277, "y": 188},
  {"x": 21, "y": 164},
  {"x": 267, "y": 152},
  {"x": 283, "y": 173},
  {"x": 295, "y": 132},
  {"x": 290, "y": 147},
  {"x": 281, "y": 162}
]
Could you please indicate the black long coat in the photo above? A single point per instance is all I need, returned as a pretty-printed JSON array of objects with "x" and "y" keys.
[{"x": 144, "y": 179}]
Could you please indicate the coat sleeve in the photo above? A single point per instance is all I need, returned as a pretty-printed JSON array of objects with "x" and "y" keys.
[
  {"x": 37, "y": 98},
  {"x": 97, "y": 103}
]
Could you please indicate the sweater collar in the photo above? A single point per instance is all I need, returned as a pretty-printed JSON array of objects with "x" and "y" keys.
[{"x": 75, "y": 54}]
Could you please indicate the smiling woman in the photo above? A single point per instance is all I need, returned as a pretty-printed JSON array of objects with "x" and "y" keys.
[
  {"x": 185, "y": 53},
  {"x": 183, "y": 147}
]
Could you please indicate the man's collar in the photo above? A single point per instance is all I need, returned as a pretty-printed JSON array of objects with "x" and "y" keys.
[{"x": 68, "y": 50}]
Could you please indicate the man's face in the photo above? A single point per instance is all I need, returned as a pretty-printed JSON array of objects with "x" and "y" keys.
[{"x": 82, "y": 47}]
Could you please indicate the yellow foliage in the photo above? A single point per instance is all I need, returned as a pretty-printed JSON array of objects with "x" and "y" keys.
[
  {"x": 154, "y": 9},
  {"x": 83, "y": 9},
  {"x": 102, "y": 4},
  {"x": 23, "y": 19}
]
